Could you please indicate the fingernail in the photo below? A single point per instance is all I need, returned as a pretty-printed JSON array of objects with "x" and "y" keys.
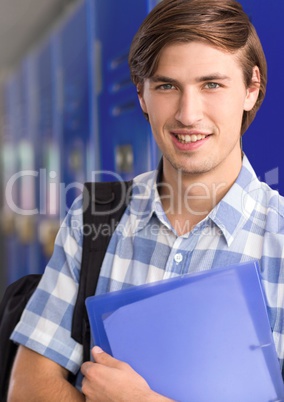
[{"x": 97, "y": 349}]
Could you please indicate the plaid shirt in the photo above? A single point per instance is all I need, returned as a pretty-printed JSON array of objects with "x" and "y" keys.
[{"x": 247, "y": 224}]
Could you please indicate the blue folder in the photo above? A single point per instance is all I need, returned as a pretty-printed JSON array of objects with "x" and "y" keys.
[{"x": 199, "y": 337}]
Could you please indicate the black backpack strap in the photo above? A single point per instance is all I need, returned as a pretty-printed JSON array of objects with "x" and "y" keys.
[
  {"x": 11, "y": 307},
  {"x": 103, "y": 206}
]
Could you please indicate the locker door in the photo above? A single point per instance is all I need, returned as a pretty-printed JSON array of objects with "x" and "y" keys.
[
  {"x": 76, "y": 89},
  {"x": 263, "y": 142},
  {"x": 127, "y": 146},
  {"x": 27, "y": 138},
  {"x": 48, "y": 157},
  {"x": 10, "y": 182}
]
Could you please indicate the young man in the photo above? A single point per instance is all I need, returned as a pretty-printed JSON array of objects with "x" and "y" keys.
[{"x": 200, "y": 74}]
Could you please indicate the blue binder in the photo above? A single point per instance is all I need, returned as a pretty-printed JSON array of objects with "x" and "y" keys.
[{"x": 200, "y": 337}]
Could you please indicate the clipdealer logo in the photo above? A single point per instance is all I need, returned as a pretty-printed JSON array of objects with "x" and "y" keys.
[
  {"x": 32, "y": 192},
  {"x": 22, "y": 190}
]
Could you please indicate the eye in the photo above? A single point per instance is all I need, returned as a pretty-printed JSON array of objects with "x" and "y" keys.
[
  {"x": 166, "y": 87},
  {"x": 212, "y": 85}
]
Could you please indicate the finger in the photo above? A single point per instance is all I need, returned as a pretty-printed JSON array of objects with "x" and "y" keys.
[
  {"x": 86, "y": 367},
  {"x": 97, "y": 350},
  {"x": 104, "y": 358}
]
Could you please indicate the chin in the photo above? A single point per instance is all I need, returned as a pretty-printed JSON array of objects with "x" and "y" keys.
[{"x": 189, "y": 167}]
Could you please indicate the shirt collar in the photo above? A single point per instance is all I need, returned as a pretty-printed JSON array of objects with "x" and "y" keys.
[
  {"x": 230, "y": 214},
  {"x": 236, "y": 207},
  {"x": 143, "y": 200}
]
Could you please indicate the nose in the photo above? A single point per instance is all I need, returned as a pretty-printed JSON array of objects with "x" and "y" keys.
[{"x": 189, "y": 110}]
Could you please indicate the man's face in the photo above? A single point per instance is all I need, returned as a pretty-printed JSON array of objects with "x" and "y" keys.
[{"x": 195, "y": 102}]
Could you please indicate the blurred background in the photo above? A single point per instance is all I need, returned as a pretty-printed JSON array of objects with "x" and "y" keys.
[{"x": 69, "y": 113}]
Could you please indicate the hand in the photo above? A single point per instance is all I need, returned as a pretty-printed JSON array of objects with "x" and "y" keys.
[{"x": 110, "y": 380}]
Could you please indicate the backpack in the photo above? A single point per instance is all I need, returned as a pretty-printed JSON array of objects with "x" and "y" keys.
[{"x": 103, "y": 204}]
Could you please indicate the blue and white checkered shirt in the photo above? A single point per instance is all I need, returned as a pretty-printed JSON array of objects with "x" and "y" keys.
[{"x": 247, "y": 224}]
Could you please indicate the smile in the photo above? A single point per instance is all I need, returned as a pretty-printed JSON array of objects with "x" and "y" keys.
[{"x": 185, "y": 139}]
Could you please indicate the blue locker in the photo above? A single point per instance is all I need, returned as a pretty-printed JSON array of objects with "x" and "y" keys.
[
  {"x": 93, "y": 147},
  {"x": 47, "y": 153},
  {"x": 10, "y": 167},
  {"x": 26, "y": 219},
  {"x": 126, "y": 143},
  {"x": 263, "y": 142},
  {"x": 77, "y": 125}
]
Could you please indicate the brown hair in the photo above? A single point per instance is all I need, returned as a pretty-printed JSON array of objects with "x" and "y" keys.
[{"x": 222, "y": 23}]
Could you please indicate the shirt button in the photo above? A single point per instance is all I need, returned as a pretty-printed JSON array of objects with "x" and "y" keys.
[{"x": 178, "y": 257}]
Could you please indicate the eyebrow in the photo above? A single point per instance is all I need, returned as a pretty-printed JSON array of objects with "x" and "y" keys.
[
  {"x": 213, "y": 77},
  {"x": 161, "y": 78},
  {"x": 204, "y": 78}
]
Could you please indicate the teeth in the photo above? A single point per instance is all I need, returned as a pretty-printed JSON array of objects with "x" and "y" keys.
[{"x": 190, "y": 138}]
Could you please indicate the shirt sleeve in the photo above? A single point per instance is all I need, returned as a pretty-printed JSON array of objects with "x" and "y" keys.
[{"x": 45, "y": 325}]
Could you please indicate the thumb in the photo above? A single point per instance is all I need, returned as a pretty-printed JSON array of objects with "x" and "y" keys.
[
  {"x": 104, "y": 358},
  {"x": 97, "y": 350}
]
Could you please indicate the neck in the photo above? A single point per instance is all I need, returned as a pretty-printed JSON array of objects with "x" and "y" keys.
[{"x": 189, "y": 198}]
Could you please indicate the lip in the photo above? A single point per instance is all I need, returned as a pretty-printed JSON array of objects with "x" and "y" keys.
[
  {"x": 190, "y": 146},
  {"x": 189, "y": 132}
]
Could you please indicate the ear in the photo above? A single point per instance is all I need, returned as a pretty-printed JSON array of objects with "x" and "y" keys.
[
  {"x": 252, "y": 90},
  {"x": 140, "y": 90}
]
